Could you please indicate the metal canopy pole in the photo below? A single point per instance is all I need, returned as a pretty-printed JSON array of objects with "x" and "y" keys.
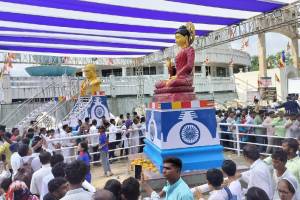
[{"x": 283, "y": 17}]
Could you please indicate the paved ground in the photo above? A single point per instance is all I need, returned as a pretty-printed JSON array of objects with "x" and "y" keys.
[
  {"x": 119, "y": 168},
  {"x": 121, "y": 172}
]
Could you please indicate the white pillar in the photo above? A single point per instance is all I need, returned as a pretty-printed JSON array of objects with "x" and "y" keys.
[
  {"x": 165, "y": 71},
  {"x": 230, "y": 70},
  {"x": 5, "y": 86},
  {"x": 294, "y": 51},
  {"x": 262, "y": 55},
  {"x": 123, "y": 71},
  {"x": 203, "y": 69}
]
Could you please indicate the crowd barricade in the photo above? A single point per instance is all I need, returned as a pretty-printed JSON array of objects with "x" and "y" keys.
[
  {"x": 235, "y": 140},
  {"x": 74, "y": 151},
  {"x": 236, "y": 137}
]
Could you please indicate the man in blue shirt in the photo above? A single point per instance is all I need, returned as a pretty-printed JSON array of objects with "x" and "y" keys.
[
  {"x": 104, "y": 151},
  {"x": 291, "y": 106},
  {"x": 176, "y": 188}
]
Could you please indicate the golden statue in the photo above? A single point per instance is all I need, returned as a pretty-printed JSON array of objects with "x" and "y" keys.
[{"x": 91, "y": 85}]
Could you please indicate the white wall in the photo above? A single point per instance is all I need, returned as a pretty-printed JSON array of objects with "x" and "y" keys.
[{"x": 248, "y": 82}]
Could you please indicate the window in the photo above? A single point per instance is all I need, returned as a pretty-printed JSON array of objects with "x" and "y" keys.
[
  {"x": 146, "y": 70},
  {"x": 106, "y": 72},
  {"x": 152, "y": 70},
  {"x": 208, "y": 73},
  {"x": 221, "y": 72},
  {"x": 117, "y": 72},
  {"x": 197, "y": 69}
]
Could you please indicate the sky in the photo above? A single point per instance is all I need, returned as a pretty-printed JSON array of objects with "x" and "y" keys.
[{"x": 275, "y": 42}]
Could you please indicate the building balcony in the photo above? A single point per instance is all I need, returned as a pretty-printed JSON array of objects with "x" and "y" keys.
[{"x": 20, "y": 88}]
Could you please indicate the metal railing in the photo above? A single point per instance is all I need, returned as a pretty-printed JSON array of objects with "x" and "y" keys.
[
  {"x": 80, "y": 106},
  {"x": 72, "y": 149},
  {"x": 114, "y": 85},
  {"x": 235, "y": 140},
  {"x": 236, "y": 136},
  {"x": 31, "y": 108},
  {"x": 27, "y": 106}
]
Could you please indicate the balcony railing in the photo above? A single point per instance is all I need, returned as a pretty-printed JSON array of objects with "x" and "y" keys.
[{"x": 24, "y": 87}]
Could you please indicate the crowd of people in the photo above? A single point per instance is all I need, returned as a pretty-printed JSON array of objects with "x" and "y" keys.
[
  {"x": 275, "y": 124},
  {"x": 51, "y": 164},
  {"x": 32, "y": 160},
  {"x": 48, "y": 176}
]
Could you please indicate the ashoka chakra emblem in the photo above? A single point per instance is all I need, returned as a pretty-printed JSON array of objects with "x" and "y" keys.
[
  {"x": 189, "y": 134},
  {"x": 99, "y": 111}
]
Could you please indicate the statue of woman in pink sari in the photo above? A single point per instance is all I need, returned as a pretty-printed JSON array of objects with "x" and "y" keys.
[{"x": 181, "y": 77}]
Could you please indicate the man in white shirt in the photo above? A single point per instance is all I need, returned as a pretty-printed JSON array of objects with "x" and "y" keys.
[
  {"x": 259, "y": 175},
  {"x": 65, "y": 143},
  {"x": 37, "y": 143},
  {"x": 75, "y": 174},
  {"x": 58, "y": 170},
  {"x": 94, "y": 140},
  {"x": 37, "y": 177},
  {"x": 112, "y": 129},
  {"x": 19, "y": 157},
  {"x": 231, "y": 128},
  {"x": 56, "y": 158},
  {"x": 219, "y": 118}
]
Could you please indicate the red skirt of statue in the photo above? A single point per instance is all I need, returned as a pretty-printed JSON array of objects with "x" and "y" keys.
[{"x": 179, "y": 87}]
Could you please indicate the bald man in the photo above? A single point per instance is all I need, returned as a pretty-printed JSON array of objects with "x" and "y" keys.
[{"x": 103, "y": 195}]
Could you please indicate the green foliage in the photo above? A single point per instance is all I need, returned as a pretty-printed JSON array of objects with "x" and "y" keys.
[
  {"x": 254, "y": 63},
  {"x": 272, "y": 61}
]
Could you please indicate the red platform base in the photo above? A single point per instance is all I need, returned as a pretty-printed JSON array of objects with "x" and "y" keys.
[{"x": 171, "y": 97}]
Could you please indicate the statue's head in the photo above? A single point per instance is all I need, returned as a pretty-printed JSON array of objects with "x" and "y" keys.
[
  {"x": 90, "y": 71},
  {"x": 185, "y": 35}
]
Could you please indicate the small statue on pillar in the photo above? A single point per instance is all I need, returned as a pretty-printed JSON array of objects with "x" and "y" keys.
[
  {"x": 179, "y": 86},
  {"x": 91, "y": 85}
]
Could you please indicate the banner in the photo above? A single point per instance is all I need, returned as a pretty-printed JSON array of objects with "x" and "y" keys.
[
  {"x": 265, "y": 82},
  {"x": 267, "y": 93}
]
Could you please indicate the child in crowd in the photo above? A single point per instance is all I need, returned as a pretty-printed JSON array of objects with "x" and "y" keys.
[
  {"x": 234, "y": 185},
  {"x": 104, "y": 151},
  {"x": 215, "y": 180},
  {"x": 85, "y": 157}
]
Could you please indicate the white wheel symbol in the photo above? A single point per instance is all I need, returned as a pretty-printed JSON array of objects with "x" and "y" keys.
[{"x": 99, "y": 112}]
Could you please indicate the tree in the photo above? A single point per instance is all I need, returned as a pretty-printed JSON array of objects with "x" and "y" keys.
[
  {"x": 272, "y": 61},
  {"x": 254, "y": 63}
]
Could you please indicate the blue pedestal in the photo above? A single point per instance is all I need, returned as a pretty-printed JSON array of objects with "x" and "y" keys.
[
  {"x": 96, "y": 109},
  {"x": 189, "y": 134}
]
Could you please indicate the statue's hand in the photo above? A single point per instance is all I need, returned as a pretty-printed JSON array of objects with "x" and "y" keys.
[
  {"x": 169, "y": 63},
  {"x": 170, "y": 80},
  {"x": 173, "y": 77}
]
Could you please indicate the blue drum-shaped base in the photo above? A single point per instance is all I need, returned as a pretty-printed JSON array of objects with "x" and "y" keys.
[{"x": 193, "y": 158}]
